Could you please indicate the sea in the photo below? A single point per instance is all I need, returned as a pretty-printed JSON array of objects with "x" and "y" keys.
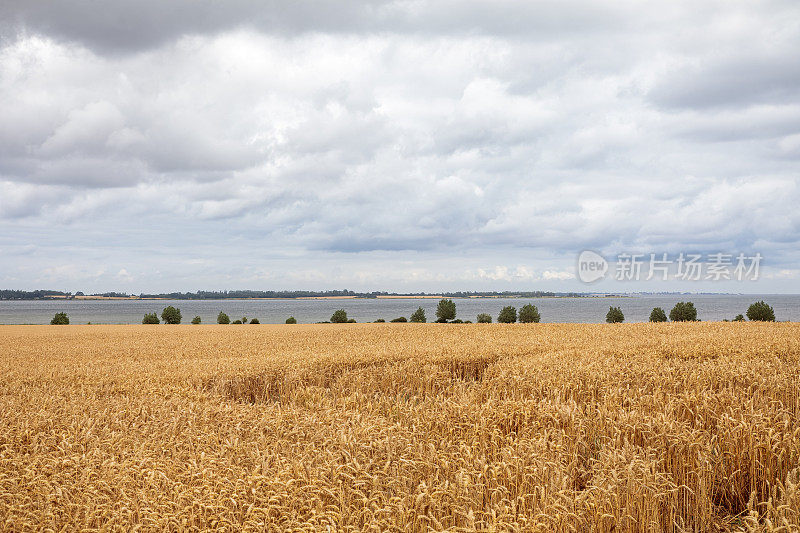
[{"x": 636, "y": 308}]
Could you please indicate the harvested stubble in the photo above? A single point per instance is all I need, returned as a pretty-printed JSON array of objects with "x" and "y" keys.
[{"x": 638, "y": 427}]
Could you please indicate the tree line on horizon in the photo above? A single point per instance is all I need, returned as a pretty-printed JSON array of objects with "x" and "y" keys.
[{"x": 7, "y": 294}]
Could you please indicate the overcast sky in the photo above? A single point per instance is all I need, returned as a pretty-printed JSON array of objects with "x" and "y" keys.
[{"x": 410, "y": 145}]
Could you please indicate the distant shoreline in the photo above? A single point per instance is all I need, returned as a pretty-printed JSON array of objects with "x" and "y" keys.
[
  {"x": 19, "y": 296},
  {"x": 382, "y": 297}
]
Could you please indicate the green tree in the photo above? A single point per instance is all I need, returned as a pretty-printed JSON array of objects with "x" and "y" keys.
[
  {"x": 508, "y": 315},
  {"x": 683, "y": 312},
  {"x": 170, "y": 315},
  {"x": 150, "y": 318},
  {"x": 291, "y": 320},
  {"x": 738, "y": 318},
  {"x": 483, "y": 318},
  {"x": 380, "y": 321},
  {"x": 339, "y": 316},
  {"x": 60, "y": 319},
  {"x": 255, "y": 321},
  {"x": 419, "y": 315},
  {"x": 223, "y": 318},
  {"x": 614, "y": 315},
  {"x": 761, "y": 312},
  {"x": 196, "y": 320},
  {"x": 658, "y": 315},
  {"x": 399, "y": 319},
  {"x": 529, "y": 313},
  {"x": 237, "y": 321},
  {"x": 446, "y": 310}
]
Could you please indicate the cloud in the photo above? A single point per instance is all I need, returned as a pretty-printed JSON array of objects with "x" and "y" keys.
[
  {"x": 20, "y": 200},
  {"x": 784, "y": 273},
  {"x": 124, "y": 276},
  {"x": 556, "y": 274},
  {"x": 128, "y": 25},
  {"x": 746, "y": 79},
  {"x": 321, "y": 143}
]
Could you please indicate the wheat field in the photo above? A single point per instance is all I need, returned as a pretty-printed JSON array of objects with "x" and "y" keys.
[{"x": 401, "y": 427}]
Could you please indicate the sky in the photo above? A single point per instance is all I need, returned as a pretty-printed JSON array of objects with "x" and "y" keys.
[{"x": 150, "y": 146}]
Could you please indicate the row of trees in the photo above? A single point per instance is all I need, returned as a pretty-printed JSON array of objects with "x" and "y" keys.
[
  {"x": 171, "y": 315},
  {"x": 686, "y": 312},
  {"x": 682, "y": 312},
  {"x": 223, "y": 318},
  {"x": 446, "y": 313}
]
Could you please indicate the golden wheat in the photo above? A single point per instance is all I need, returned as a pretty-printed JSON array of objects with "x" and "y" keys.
[{"x": 640, "y": 427}]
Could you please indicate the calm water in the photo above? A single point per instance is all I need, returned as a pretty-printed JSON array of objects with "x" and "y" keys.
[{"x": 636, "y": 308}]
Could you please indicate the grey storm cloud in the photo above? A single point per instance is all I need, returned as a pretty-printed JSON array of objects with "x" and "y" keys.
[
  {"x": 191, "y": 142},
  {"x": 732, "y": 81},
  {"x": 128, "y": 25}
]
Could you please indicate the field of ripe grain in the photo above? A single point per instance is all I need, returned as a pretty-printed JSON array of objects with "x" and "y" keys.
[{"x": 401, "y": 427}]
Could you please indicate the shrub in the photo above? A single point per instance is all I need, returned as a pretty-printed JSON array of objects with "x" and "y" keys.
[
  {"x": 529, "y": 314},
  {"x": 291, "y": 320},
  {"x": 761, "y": 312},
  {"x": 508, "y": 315},
  {"x": 468, "y": 322},
  {"x": 738, "y": 318},
  {"x": 614, "y": 315},
  {"x": 339, "y": 317},
  {"x": 351, "y": 320},
  {"x": 222, "y": 318},
  {"x": 170, "y": 315},
  {"x": 255, "y": 321},
  {"x": 380, "y": 320},
  {"x": 400, "y": 319},
  {"x": 237, "y": 321},
  {"x": 483, "y": 318},
  {"x": 441, "y": 321},
  {"x": 457, "y": 321},
  {"x": 60, "y": 319},
  {"x": 419, "y": 315},
  {"x": 446, "y": 310},
  {"x": 658, "y": 315},
  {"x": 683, "y": 312},
  {"x": 150, "y": 318},
  {"x": 196, "y": 320}
]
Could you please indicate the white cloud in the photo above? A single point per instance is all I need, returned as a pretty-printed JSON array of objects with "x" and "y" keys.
[
  {"x": 557, "y": 274},
  {"x": 783, "y": 274},
  {"x": 463, "y": 137},
  {"x": 124, "y": 276}
]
